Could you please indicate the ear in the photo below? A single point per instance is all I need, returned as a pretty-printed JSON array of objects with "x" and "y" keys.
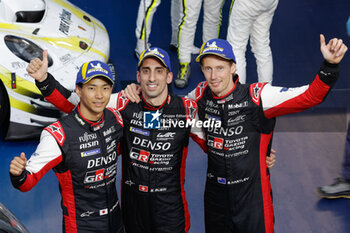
[
  {"x": 233, "y": 68},
  {"x": 169, "y": 77},
  {"x": 138, "y": 78},
  {"x": 78, "y": 90}
]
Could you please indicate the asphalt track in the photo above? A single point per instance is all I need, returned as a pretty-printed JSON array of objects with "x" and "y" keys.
[{"x": 309, "y": 146}]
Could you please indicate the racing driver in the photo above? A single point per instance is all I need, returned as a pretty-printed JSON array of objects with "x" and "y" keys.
[
  {"x": 81, "y": 148},
  {"x": 238, "y": 195},
  {"x": 153, "y": 164},
  {"x": 154, "y": 156}
]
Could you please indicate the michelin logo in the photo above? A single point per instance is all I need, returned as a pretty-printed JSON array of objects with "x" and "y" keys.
[
  {"x": 212, "y": 46},
  {"x": 97, "y": 67}
]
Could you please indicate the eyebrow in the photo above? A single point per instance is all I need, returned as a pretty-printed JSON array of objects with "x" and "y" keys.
[
  {"x": 94, "y": 85},
  {"x": 148, "y": 68}
]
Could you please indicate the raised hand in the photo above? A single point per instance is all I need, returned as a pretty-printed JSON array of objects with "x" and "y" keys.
[
  {"x": 132, "y": 92},
  {"x": 334, "y": 51},
  {"x": 18, "y": 164},
  {"x": 37, "y": 68}
]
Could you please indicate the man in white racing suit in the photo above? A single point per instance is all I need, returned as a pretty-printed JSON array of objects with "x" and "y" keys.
[{"x": 251, "y": 19}]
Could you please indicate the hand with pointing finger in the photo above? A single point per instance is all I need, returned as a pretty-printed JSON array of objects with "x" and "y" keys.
[
  {"x": 18, "y": 165},
  {"x": 37, "y": 68}
]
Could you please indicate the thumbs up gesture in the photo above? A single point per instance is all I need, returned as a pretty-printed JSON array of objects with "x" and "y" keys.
[
  {"x": 37, "y": 68},
  {"x": 18, "y": 164}
]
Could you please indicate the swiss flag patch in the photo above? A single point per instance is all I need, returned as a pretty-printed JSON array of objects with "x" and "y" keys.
[
  {"x": 56, "y": 130},
  {"x": 143, "y": 188}
]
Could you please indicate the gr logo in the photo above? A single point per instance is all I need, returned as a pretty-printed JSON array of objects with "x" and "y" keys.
[
  {"x": 140, "y": 155},
  {"x": 214, "y": 142},
  {"x": 94, "y": 176},
  {"x": 151, "y": 120}
]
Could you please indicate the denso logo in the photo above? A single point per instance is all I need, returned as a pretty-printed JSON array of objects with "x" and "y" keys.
[
  {"x": 88, "y": 145},
  {"x": 102, "y": 160},
  {"x": 87, "y": 137},
  {"x": 152, "y": 145},
  {"x": 226, "y": 131}
]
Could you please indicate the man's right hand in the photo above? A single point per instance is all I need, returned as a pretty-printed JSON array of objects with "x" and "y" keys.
[
  {"x": 132, "y": 92},
  {"x": 18, "y": 164},
  {"x": 37, "y": 68}
]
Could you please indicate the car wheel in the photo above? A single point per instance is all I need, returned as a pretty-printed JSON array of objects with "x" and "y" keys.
[{"x": 4, "y": 109}]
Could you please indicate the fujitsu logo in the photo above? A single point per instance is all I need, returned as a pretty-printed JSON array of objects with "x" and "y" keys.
[{"x": 87, "y": 137}]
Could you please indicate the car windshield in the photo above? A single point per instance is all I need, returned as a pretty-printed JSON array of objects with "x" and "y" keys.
[{"x": 24, "y": 48}]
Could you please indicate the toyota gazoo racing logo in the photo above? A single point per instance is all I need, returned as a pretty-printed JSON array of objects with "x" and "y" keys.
[
  {"x": 94, "y": 176},
  {"x": 140, "y": 155},
  {"x": 214, "y": 142}
]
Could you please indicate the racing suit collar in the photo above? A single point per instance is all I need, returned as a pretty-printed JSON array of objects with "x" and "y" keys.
[
  {"x": 154, "y": 108},
  {"x": 236, "y": 81},
  {"x": 94, "y": 126}
]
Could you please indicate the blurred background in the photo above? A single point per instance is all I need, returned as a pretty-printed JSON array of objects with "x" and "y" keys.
[{"x": 309, "y": 146}]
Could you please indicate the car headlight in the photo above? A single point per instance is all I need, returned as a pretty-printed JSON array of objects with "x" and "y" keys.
[{"x": 25, "y": 49}]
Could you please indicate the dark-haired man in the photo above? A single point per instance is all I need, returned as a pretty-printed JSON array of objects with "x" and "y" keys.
[{"x": 81, "y": 148}]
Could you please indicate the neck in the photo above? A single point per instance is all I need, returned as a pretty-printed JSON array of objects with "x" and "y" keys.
[
  {"x": 89, "y": 115},
  {"x": 156, "y": 101}
]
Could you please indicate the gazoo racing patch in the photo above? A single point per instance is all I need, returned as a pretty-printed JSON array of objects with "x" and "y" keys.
[
  {"x": 140, "y": 155},
  {"x": 94, "y": 176},
  {"x": 214, "y": 142}
]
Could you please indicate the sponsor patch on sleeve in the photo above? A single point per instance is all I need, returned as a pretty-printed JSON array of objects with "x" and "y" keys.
[{"x": 57, "y": 132}]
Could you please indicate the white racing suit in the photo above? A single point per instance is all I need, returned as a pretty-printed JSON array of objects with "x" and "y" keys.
[
  {"x": 189, "y": 15},
  {"x": 143, "y": 30},
  {"x": 252, "y": 18}
]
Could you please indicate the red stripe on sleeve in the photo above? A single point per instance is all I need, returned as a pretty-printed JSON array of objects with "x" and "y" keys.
[
  {"x": 314, "y": 95},
  {"x": 33, "y": 179},
  {"x": 57, "y": 99}
]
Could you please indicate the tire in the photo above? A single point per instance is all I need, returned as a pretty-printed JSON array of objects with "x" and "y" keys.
[{"x": 4, "y": 109}]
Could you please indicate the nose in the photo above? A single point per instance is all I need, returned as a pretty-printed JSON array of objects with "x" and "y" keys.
[
  {"x": 99, "y": 93},
  {"x": 152, "y": 76},
  {"x": 212, "y": 75}
]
